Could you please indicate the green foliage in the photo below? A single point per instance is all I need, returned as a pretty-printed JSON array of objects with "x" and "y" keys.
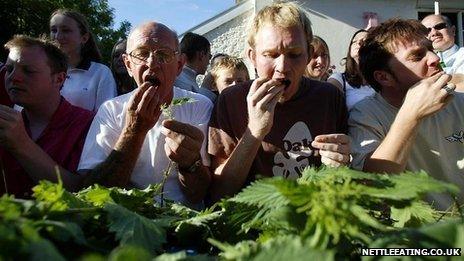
[
  {"x": 133, "y": 229},
  {"x": 31, "y": 17},
  {"x": 327, "y": 214}
]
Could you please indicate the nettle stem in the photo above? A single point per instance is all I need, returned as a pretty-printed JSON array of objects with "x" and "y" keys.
[{"x": 169, "y": 114}]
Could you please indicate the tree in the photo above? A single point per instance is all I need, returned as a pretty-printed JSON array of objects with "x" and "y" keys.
[{"x": 31, "y": 17}]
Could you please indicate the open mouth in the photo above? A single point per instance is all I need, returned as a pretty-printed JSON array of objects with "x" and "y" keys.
[
  {"x": 153, "y": 80},
  {"x": 286, "y": 82}
]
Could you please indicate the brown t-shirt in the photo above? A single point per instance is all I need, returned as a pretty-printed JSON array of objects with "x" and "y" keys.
[{"x": 317, "y": 108}]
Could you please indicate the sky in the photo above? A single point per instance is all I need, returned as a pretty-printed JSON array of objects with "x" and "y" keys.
[{"x": 180, "y": 15}]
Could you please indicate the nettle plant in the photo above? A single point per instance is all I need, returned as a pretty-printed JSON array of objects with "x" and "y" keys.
[{"x": 327, "y": 214}]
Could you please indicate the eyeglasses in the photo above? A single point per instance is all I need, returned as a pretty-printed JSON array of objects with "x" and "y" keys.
[
  {"x": 140, "y": 55},
  {"x": 437, "y": 27}
]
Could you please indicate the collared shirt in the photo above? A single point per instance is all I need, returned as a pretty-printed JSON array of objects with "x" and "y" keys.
[
  {"x": 187, "y": 81},
  {"x": 62, "y": 139},
  {"x": 89, "y": 85},
  {"x": 453, "y": 59}
]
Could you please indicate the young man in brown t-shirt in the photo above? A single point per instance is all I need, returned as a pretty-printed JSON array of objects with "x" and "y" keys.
[{"x": 281, "y": 122}]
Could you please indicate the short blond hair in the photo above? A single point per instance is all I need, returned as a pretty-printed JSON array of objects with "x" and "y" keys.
[
  {"x": 283, "y": 15},
  {"x": 228, "y": 63}
]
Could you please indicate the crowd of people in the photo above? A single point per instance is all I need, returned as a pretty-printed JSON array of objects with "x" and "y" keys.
[{"x": 395, "y": 107}]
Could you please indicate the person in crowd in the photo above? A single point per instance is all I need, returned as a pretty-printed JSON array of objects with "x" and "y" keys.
[
  {"x": 89, "y": 83},
  {"x": 412, "y": 122},
  {"x": 229, "y": 71},
  {"x": 46, "y": 138},
  {"x": 124, "y": 82},
  {"x": 197, "y": 52},
  {"x": 318, "y": 67},
  {"x": 278, "y": 124},
  {"x": 208, "y": 82},
  {"x": 131, "y": 143},
  {"x": 442, "y": 32},
  {"x": 351, "y": 81}
]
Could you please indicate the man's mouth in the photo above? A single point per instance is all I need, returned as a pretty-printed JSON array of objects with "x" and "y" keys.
[
  {"x": 153, "y": 80},
  {"x": 286, "y": 82}
]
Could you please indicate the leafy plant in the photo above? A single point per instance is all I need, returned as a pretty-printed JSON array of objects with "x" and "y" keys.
[{"x": 326, "y": 214}]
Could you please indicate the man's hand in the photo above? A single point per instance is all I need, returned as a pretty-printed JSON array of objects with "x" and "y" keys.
[
  {"x": 12, "y": 131},
  {"x": 333, "y": 148},
  {"x": 143, "y": 109},
  {"x": 427, "y": 97},
  {"x": 183, "y": 142},
  {"x": 262, "y": 98}
]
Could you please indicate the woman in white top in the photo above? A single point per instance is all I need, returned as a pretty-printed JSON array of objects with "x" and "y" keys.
[
  {"x": 88, "y": 82},
  {"x": 351, "y": 81}
]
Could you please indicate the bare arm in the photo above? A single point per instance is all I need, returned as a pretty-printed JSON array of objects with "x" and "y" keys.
[
  {"x": 142, "y": 113},
  {"x": 422, "y": 100},
  {"x": 230, "y": 174}
]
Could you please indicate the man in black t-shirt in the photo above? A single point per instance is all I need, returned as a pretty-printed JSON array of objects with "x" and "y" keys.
[{"x": 281, "y": 122}]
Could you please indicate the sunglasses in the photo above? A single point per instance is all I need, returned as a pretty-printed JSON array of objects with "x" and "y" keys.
[{"x": 437, "y": 27}]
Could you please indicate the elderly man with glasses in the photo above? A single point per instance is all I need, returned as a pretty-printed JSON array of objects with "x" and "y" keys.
[
  {"x": 442, "y": 33},
  {"x": 132, "y": 144}
]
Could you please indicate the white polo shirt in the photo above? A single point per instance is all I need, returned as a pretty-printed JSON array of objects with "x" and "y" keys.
[{"x": 89, "y": 85}]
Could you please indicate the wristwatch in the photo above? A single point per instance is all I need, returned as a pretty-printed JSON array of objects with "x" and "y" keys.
[{"x": 194, "y": 167}]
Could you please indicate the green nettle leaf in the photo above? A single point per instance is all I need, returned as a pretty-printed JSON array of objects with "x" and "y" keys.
[
  {"x": 130, "y": 252},
  {"x": 133, "y": 229},
  {"x": 415, "y": 214},
  {"x": 408, "y": 186},
  {"x": 53, "y": 197},
  {"x": 263, "y": 193},
  {"x": 63, "y": 231},
  {"x": 96, "y": 195},
  {"x": 44, "y": 250},
  {"x": 9, "y": 210}
]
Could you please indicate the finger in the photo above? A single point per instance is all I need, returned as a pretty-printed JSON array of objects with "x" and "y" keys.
[
  {"x": 179, "y": 154},
  {"x": 147, "y": 96},
  {"x": 154, "y": 103},
  {"x": 181, "y": 139},
  {"x": 8, "y": 114},
  {"x": 264, "y": 89},
  {"x": 256, "y": 85},
  {"x": 269, "y": 100},
  {"x": 184, "y": 128},
  {"x": 137, "y": 96},
  {"x": 442, "y": 80},
  {"x": 333, "y": 138},
  {"x": 335, "y": 156},
  {"x": 331, "y": 163},
  {"x": 335, "y": 147}
]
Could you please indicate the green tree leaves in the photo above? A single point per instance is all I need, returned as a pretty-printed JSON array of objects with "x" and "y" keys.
[{"x": 31, "y": 17}]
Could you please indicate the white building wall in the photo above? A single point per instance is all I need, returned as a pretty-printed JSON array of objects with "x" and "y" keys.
[{"x": 230, "y": 37}]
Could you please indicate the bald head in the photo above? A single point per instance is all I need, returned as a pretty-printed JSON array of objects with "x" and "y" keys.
[
  {"x": 441, "y": 31},
  {"x": 153, "y": 33}
]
